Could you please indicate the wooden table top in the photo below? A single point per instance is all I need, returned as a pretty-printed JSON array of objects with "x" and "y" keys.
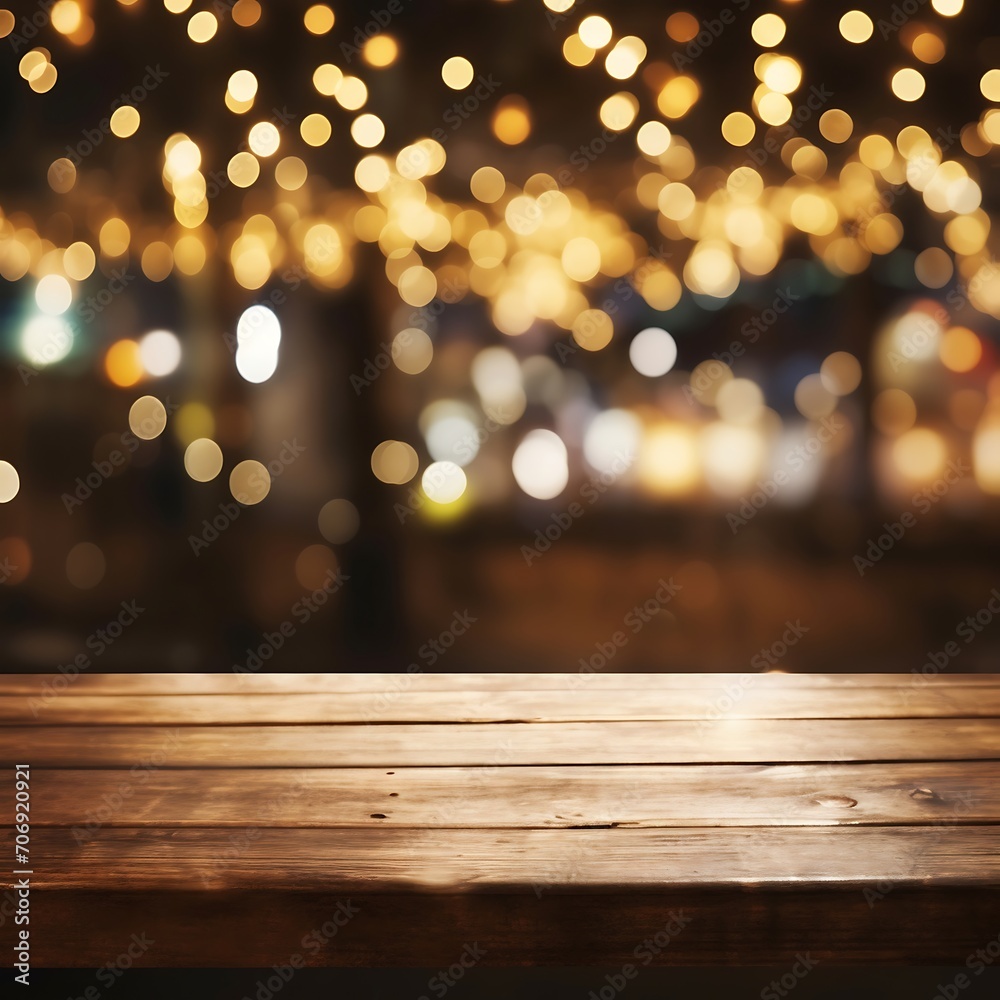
[{"x": 551, "y": 818}]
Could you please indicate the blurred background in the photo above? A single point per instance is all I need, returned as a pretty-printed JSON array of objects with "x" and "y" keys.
[{"x": 480, "y": 335}]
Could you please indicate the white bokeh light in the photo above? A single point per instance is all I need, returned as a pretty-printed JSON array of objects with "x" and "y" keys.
[
  {"x": 53, "y": 295},
  {"x": 160, "y": 352},
  {"x": 258, "y": 335},
  {"x": 46, "y": 340},
  {"x": 540, "y": 465},
  {"x": 653, "y": 352},
  {"x": 443, "y": 482}
]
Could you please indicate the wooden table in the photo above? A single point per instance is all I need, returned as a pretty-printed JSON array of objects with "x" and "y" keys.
[{"x": 377, "y": 819}]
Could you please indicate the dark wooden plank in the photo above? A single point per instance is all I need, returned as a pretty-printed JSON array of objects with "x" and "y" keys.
[
  {"x": 351, "y": 860},
  {"x": 494, "y": 797},
  {"x": 375, "y": 683},
  {"x": 727, "y": 741},
  {"x": 581, "y": 705},
  {"x": 433, "y": 930}
]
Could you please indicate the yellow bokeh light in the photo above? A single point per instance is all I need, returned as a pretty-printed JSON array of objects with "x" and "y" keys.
[
  {"x": 738, "y": 128},
  {"x": 202, "y": 27},
  {"x": 928, "y": 47},
  {"x": 989, "y": 85},
  {"x": 315, "y": 130},
  {"x": 487, "y": 185},
  {"x": 576, "y": 52},
  {"x": 653, "y": 138},
  {"x": 380, "y": 50},
  {"x": 394, "y": 462},
  {"x": 123, "y": 363},
  {"x": 457, "y": 72},
  {"x": 768, "y": 30},
  {"x": 243, "y": 85},
  {"x": 512, "y": 121},
  {"x": 593, "y": 329},
  {"x": 618, "y": 111},
  {"x": 908, "y": 84},
  {"x": 264, "y": 139},
  {"x": 367, "y": 130},
  {"x": 961, "y": 350},
  {"x": 290, "y": 173},
  {"x": 318, "y": 19},
  {"x": 114, "y": 237},
  {"x": 66, "y": 16},
  {"x": 919, "y": 454},
  {"x": 243, "y": 169},
  {"x": 595, "y": 31},
  {"x": 124, "y": 121},
  {"x": 249, "y": 482},
  {"x": 856, "y": 26},
  {"x": 351, "y": 94},
  {"x": 682, "y": 26},
  {"x": 327, "y": 78},
  {"x": 836, "y": 125},
  {"x": 79, "y": 261}
]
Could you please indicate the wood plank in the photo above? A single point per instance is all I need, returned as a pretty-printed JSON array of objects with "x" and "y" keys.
[
  {"x": 582, "y": 705},
  {"x": 432, "y": 930},
  {"x": 534, "y": 862},
  {"x": 509, "y": 797},
  {"x": 35, "y": 685},
  {"x": 727, "y": 741}
]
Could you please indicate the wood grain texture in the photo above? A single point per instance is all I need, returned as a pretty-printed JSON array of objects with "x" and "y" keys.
[
  {"x": 553, "y": 819},
  {"x": 375, "y": 683},
  {"x": 533, "y": 862},
  {"x": 727, "y": 741},
  {"x": 509, "y": 797},
  {"x": 580, "y": 705}
]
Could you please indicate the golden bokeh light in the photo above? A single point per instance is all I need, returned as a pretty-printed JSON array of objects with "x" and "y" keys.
[
  {"x": 457, "y": 72},
  {"x": 856, "y": 26},
  {"x": 249, "y": 482},
  {"x": 319, "y": 19}
]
